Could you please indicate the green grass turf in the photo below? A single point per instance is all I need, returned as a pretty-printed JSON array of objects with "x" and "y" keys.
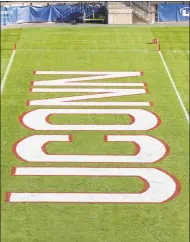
[
  {"x": 89, "y": 222},
  {"x": 178, "y": 64},
  {"x": 5, "y": 56}
]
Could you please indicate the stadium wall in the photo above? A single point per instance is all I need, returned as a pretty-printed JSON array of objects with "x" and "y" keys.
[
  {"x": 50, "y": 13},
  {"x": 113, "y": 13},
  {"x": 173, "y": 12}
]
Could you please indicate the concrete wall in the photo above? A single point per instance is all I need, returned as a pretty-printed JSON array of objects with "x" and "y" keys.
[
  {"x": 120, "y": 16},
  {"x": 137, "y": 20}
]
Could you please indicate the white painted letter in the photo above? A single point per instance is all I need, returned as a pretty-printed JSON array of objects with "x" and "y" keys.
[
  {"x": 32, "y": 149},
  {"x": 102, "y": 93},
  {"x": 159, "y": 186},
  {"x": 141, "y": 119}
]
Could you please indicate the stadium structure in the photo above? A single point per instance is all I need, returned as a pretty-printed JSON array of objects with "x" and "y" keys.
[{"x": 96, "y": 12}]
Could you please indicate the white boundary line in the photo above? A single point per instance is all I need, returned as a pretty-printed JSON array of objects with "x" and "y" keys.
[
  {"x": 88, "y": 50},
  {"x": 174, "y": 86},
  {"x": 8, "y": 68},
  {"x": 104, "y": 50}
]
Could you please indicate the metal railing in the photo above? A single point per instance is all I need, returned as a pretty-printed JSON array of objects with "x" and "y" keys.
[
  {"x": 144, "y": 11},
  {"x": 144, "y": 6}
]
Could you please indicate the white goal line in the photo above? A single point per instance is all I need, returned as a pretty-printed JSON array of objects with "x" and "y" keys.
[{"x": 102, "y": 50}]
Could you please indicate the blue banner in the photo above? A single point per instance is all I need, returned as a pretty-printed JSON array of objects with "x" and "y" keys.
[
  {"x": 173, "y": 12},
  {"x": 183, "y": 12},
  {"x": 8, "y": 15},
  {"x": 58, "y": 13}
]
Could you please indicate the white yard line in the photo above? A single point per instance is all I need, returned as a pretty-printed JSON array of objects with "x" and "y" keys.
[
  {"x": 7, "y": 70},
  {"x": 174, "y": 86}
]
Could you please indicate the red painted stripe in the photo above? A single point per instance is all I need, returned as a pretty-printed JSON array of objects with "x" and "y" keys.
[
  {"x": 7, "y": 197},
  {"x": 13, "y": 171}
]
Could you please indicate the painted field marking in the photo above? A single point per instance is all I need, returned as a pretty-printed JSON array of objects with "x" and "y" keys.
[
  {"x": 87, "y": 50},
  {"x": 62, "y": 82},
  {"x": 174, "y": 86},
  {"x": 93, "y": 76},
  {"x": 159, "y": 186},
  {"x": 148, "y": 150},
  {"x": 98, "y": 50},
  {"x": 97, "y": 104},
  {"x": 8, "y": 68},
  {"x": 104, "y": 93},
  {"x": 140, "y": 119},
  {"x": 101, "y": 92},
  {"x": 110, "y": 73},
  {"x": 84, "y": 90}
]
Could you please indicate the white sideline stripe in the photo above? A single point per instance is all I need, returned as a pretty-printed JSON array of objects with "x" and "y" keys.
[
  {"x": 174, "y": 86},
  {"x": 7, "y": 70}
]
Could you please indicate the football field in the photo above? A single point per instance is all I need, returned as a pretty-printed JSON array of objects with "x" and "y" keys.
[{"x": 95, "y": 134}]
